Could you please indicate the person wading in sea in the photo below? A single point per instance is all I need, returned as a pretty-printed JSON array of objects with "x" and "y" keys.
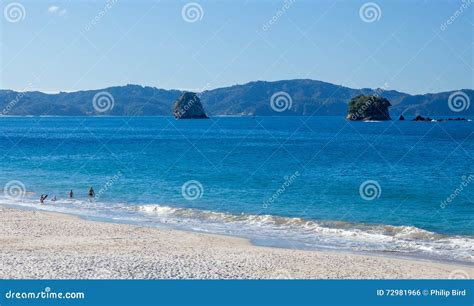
[
  {"x": 71, "y": 194},
  {"x": 42, "y": 198},
  {"x": 91, "y": 193}
]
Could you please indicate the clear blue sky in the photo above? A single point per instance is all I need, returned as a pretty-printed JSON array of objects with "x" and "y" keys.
[{"x": 149, "y": 43}]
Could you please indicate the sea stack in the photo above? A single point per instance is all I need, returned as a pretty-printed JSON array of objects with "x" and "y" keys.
[
  {"x": 189, "y": 106},
  {"x": 421, "y": 118},
  {"x": 366, "y": 108}
]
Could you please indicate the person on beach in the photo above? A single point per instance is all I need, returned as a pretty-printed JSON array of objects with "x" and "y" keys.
[
  {"x": 71, "y": 194},
  {"x": 42, "y": 198},
  {"x": 91, "y": 192}
]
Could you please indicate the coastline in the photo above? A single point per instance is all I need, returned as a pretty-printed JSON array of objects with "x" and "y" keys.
[{"x": 47, "y": 245}]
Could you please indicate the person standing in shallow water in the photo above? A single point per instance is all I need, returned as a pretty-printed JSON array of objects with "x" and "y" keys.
[
  {"x": 91, "y": 192},
  {"x": 71, "y": 194},
  {"x": 42, "y": 198}
]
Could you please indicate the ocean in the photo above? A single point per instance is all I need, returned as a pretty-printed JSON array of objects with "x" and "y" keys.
[{"x": 319, "y": 183}]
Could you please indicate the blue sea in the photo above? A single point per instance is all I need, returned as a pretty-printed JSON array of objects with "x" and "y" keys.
[{"x": 400, "y": 188}]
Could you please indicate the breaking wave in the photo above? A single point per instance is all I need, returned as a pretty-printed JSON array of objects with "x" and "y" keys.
[
  {"x": 269, "y": 230},
  {"x": 310, "y": 234}
]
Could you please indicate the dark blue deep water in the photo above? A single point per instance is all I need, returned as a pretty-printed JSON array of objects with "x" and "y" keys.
[{"x": 304, "y": 182}]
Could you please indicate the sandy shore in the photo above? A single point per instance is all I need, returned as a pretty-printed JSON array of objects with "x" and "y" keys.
[{"x": 37, "y": 245}]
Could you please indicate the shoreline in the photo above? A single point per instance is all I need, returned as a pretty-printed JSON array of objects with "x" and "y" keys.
[
  {"x": 283, "y": 246},
  {"x": 274, "y": 241},
  {"x": 41, "y": 245}
]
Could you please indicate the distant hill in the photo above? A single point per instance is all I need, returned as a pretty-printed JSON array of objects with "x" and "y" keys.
[
  {"x": 130, "y": 100},
  {"x": 308, "y": 97}
]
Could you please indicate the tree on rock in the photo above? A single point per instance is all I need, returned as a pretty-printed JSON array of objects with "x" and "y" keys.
[{"x": 368, "y": 108}]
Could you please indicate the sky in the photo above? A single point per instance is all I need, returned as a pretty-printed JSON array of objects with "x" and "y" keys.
[{"x": 407, "y": 45}]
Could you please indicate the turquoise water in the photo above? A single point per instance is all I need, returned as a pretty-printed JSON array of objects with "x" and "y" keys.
[{"x": 280, "y": 181}]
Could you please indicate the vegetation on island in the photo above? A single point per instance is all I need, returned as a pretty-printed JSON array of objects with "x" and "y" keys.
[{"x": 368, "y": 108}]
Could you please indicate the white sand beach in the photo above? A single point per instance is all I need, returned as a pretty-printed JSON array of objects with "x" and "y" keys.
[{"x": 42, "y": 245}]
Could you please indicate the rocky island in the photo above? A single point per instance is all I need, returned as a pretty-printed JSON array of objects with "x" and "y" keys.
[
  {"x": 189, "y": 106},
  {"x": 428, "y": 119},
  {"x": 364, "y": 108}
]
